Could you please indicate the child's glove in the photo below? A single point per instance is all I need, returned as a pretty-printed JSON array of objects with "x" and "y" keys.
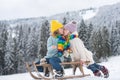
[
  {"x": 69, "y": 51},
  {"x": 82, "y": 62},
  {"x": 43, "y": 60}
]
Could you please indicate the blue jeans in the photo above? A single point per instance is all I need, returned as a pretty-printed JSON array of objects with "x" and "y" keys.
[
  {"x": 55, "y": 62},
  {"x": 94, "y": 67}
]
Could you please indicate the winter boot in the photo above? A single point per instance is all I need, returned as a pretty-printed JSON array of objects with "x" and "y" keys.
[
  {"x": 62, "y": 72},
  {"x": 58, "y": 74},
  {"x": 97, "y": 73},
  {"x": 105, "y": 71}
]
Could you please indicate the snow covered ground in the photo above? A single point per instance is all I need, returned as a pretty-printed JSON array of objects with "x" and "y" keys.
[{"x": 113, "y": 65}]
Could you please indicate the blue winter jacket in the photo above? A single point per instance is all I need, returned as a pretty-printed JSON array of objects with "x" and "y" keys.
[{"x": 50, "y": 51}]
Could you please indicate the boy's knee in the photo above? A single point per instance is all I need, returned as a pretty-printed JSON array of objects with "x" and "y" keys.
[
  {"x": 51, "y": 60},
  {"x": 92, "y": 68}
]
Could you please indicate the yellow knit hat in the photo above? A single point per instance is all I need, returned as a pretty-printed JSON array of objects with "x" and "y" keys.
[{"x": 54, "y": 25}]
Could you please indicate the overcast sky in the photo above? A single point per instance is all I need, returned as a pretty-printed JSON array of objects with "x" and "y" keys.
[{"x": 12, "y": 9}]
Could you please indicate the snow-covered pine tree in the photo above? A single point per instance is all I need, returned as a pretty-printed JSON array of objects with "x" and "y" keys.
[
  {"x": 10, "y": 56},
  {"x": 31, "y": 46},
  {"x": 96, "y": 44},
  {"x": 20, "y": 49},
  {"x": 83, "y": 33},
  {"x": 89, "y": 33},
  {"x": 67, "y": 18},
  {"x": 115, "y": 39},
  {"x": 64, "y": 21},
  {"x": 106, "y": 46},
  {"x": 21, "y": 40},
  {"x": 3, "y": 40},
  {"x": 101, "y": 43},
  {"x": 43, "y": 38}
]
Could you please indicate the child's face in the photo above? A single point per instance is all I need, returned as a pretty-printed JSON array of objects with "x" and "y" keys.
[
  {"x": 60, "y": 31},
  {"x": 66, "y": 32}
]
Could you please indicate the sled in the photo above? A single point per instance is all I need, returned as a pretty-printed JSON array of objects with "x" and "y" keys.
[{"x": 39, "y": 76}]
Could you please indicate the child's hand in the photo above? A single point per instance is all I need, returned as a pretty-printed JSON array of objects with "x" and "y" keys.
[
  {"x": 69, "y": 51},
  {"x": 43, "y": 60},
  {"x": 54, "y": 47},
  {"x": 81, "y": 62}
]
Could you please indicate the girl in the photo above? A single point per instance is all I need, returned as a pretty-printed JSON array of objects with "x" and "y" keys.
[{"x": 80, "y": 52}]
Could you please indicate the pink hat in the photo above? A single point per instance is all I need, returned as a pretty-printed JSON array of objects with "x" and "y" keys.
[{"x": 72, "y": 26}]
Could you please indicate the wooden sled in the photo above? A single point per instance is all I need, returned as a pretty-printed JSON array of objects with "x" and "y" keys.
[
  {"x": 38, "y": 77},
  {"x": 41, "y": 77}
]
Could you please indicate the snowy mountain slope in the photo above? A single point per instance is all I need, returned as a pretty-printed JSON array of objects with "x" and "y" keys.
[
  {"x": 70, "y": 15},
  {"x": 102, "y": 16},
  {"x": 75, "y": 15},
  {"x": 113, "y": 65},
  {"x": 88, "y": 13},
  {"x": 107, "y": 15}
]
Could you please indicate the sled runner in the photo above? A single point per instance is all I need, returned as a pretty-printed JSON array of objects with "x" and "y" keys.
[{"x": 37, "y": 75}]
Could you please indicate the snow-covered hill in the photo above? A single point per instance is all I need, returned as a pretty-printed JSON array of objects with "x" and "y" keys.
[
  {"x": 113, "y": 65},
  {"x": 103, "y": 16},
  {"x": 75, "y": 15},
  {"x": 107, "y": 15},
  {"x": 70, "y": 15}
]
